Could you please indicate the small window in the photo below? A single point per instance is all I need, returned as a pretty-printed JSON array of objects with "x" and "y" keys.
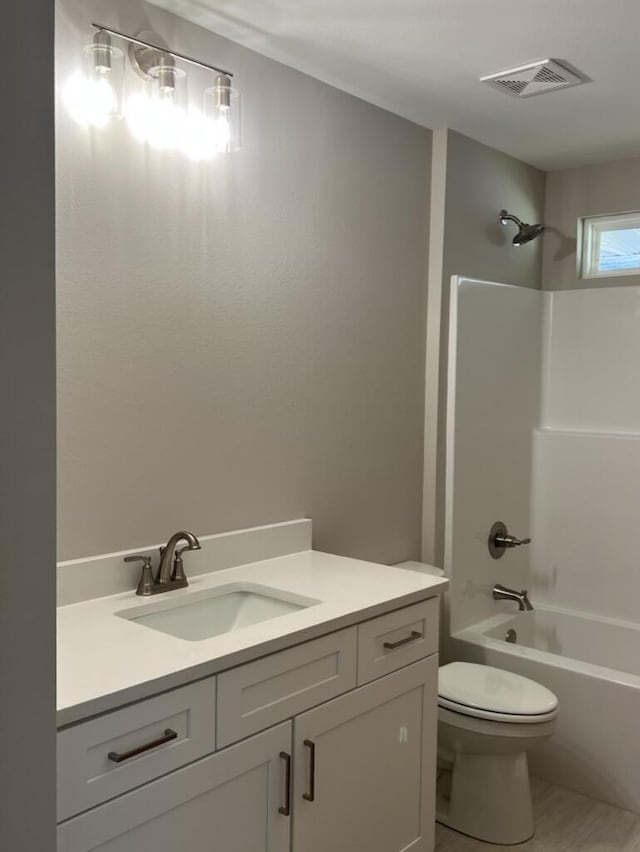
[{"x": 611, "y": 245}]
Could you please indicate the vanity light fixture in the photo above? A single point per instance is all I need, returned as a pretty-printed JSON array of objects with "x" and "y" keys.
[{"x": 159, "y": 115}]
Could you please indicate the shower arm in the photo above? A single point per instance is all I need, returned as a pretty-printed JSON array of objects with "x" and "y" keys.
[{"x": 508, "y": 217}]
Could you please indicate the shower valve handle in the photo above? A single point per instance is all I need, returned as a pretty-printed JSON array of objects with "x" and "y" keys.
[
  {"x": 500, "y": 540},
  {"x": 510, "y": 541}
]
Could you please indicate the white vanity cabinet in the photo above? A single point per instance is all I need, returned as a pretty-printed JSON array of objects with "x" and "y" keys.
[{"x": 352, "y": 773}]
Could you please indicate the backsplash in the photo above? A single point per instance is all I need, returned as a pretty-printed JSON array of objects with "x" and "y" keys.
[{"x": 108, "y": 574}]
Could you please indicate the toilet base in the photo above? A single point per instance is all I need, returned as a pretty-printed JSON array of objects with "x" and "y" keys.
[{"x": 487, "y": 797}]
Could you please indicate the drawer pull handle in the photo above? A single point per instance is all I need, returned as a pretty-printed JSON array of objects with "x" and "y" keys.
[
  {"x": 415, "y": 634},
  {"x": 127, "y": 755},
  {"x": 311, "y": 795},
  {"x": 285, "y": 809}
]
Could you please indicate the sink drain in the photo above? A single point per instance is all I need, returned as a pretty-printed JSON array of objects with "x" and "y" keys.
[{"x": 511, "y": 636}]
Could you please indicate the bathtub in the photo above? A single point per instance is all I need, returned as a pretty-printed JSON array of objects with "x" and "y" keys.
[{"x": 593, "y": 666}]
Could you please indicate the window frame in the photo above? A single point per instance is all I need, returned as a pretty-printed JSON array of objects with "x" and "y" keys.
[{"x": 591, "y": 227}]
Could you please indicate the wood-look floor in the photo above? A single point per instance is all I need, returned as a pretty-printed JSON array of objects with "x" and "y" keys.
[{"x": 564, "y": 821}]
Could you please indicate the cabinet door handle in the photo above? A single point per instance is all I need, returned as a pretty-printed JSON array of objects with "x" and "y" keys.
[
  {"x": 285, "y": 809},
  {"x": 310, "y": 796},
  {"x": 415, "y": 634},
  {"x": 127, "y": 755}
]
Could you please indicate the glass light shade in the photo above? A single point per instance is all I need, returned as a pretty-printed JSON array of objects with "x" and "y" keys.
[
  {"x": 222, "y": 110},
  {"x": 158, "y": 116},
  {"x": 93, "y": 95}
]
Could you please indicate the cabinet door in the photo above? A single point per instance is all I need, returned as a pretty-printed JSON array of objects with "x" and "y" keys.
[
  {"x": 365, "y": 767},
  {"x": 228, "y": 802}
]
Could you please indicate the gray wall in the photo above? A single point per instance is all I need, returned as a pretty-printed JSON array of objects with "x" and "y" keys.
[
  {"x": 480, "y": 181},
  {"x": 242, "y": 342},
  {"x": 586, "y": 191},
  {"x": 27, "y": 433}
]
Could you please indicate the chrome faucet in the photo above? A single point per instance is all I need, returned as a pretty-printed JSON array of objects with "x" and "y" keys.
[
  {"x": 502, "y": 593},
  {"x": 170, "y": 570}
]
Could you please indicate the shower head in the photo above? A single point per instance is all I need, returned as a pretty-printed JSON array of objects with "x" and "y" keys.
[{"x": 525, "y": 232}]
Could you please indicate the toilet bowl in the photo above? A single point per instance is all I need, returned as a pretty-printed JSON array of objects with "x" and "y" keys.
[{"x": 487, "y": 721}]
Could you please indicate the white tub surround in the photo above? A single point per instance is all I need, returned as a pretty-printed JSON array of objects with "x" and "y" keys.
[
  {"x": 591, "y": 356},
  {"x": 586, "y": 482},
  {"x": 492, "y": 406},
  {"x": 106, "y": 660},
  {"x": 592, "y": 666}
]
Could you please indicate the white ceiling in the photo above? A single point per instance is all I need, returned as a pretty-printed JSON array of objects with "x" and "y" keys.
[{"x": 422, "y": 59}]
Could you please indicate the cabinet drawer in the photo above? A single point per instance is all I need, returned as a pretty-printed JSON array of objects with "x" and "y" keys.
[
  {"x": 260, "y": 694},
  {"x": 396, "y": 639},
  {"x": 104, "y": 757}
]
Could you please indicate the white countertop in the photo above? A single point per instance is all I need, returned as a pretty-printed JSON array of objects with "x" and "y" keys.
[{"x": 105, "y": 660}]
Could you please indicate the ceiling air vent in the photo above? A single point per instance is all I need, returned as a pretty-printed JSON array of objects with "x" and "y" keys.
[{"x": 536, "y": 78}]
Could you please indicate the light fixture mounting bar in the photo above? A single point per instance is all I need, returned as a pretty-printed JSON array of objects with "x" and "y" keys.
[{"x": 141, "y": 43}]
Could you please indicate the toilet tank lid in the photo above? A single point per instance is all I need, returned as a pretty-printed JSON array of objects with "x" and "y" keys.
[{"x": 488, "y": 688}]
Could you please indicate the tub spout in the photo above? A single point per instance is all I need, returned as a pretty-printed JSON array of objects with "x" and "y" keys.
[{"x": 502, "y": 593}]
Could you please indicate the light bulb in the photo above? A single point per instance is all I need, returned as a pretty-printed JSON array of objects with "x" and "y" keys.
[
  {"x": 166, "y": 124},
  {"x": 157, "y": 121},
  {"x": 204, "y": 137},
  {"x": 92, "y": 96},
  {"x": 158, "y": 117},
  {"x": 91, "y": 102},
  {"x": 222, "y": 105},
  {"x": 221, "y": 131}
]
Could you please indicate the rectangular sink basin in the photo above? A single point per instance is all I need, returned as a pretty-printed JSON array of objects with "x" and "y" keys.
[{"x": 201, "y": 615}]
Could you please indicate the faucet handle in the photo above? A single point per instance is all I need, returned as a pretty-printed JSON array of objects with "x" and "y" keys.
[
  {"x": 146, "y": 583},
  {"x": 140, "y": 557},
  {"x": 500, "y": 540},
  {"x": 510, "y": 541},
  {"x": 177, "y": 574}
]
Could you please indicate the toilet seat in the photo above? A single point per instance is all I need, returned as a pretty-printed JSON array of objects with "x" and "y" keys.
[
  {"x": 484, "y": 692},
  {"x": 492, "y": 716}
]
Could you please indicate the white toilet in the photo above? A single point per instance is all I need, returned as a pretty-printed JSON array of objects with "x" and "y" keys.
[{"x": 487, "y": 721}]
